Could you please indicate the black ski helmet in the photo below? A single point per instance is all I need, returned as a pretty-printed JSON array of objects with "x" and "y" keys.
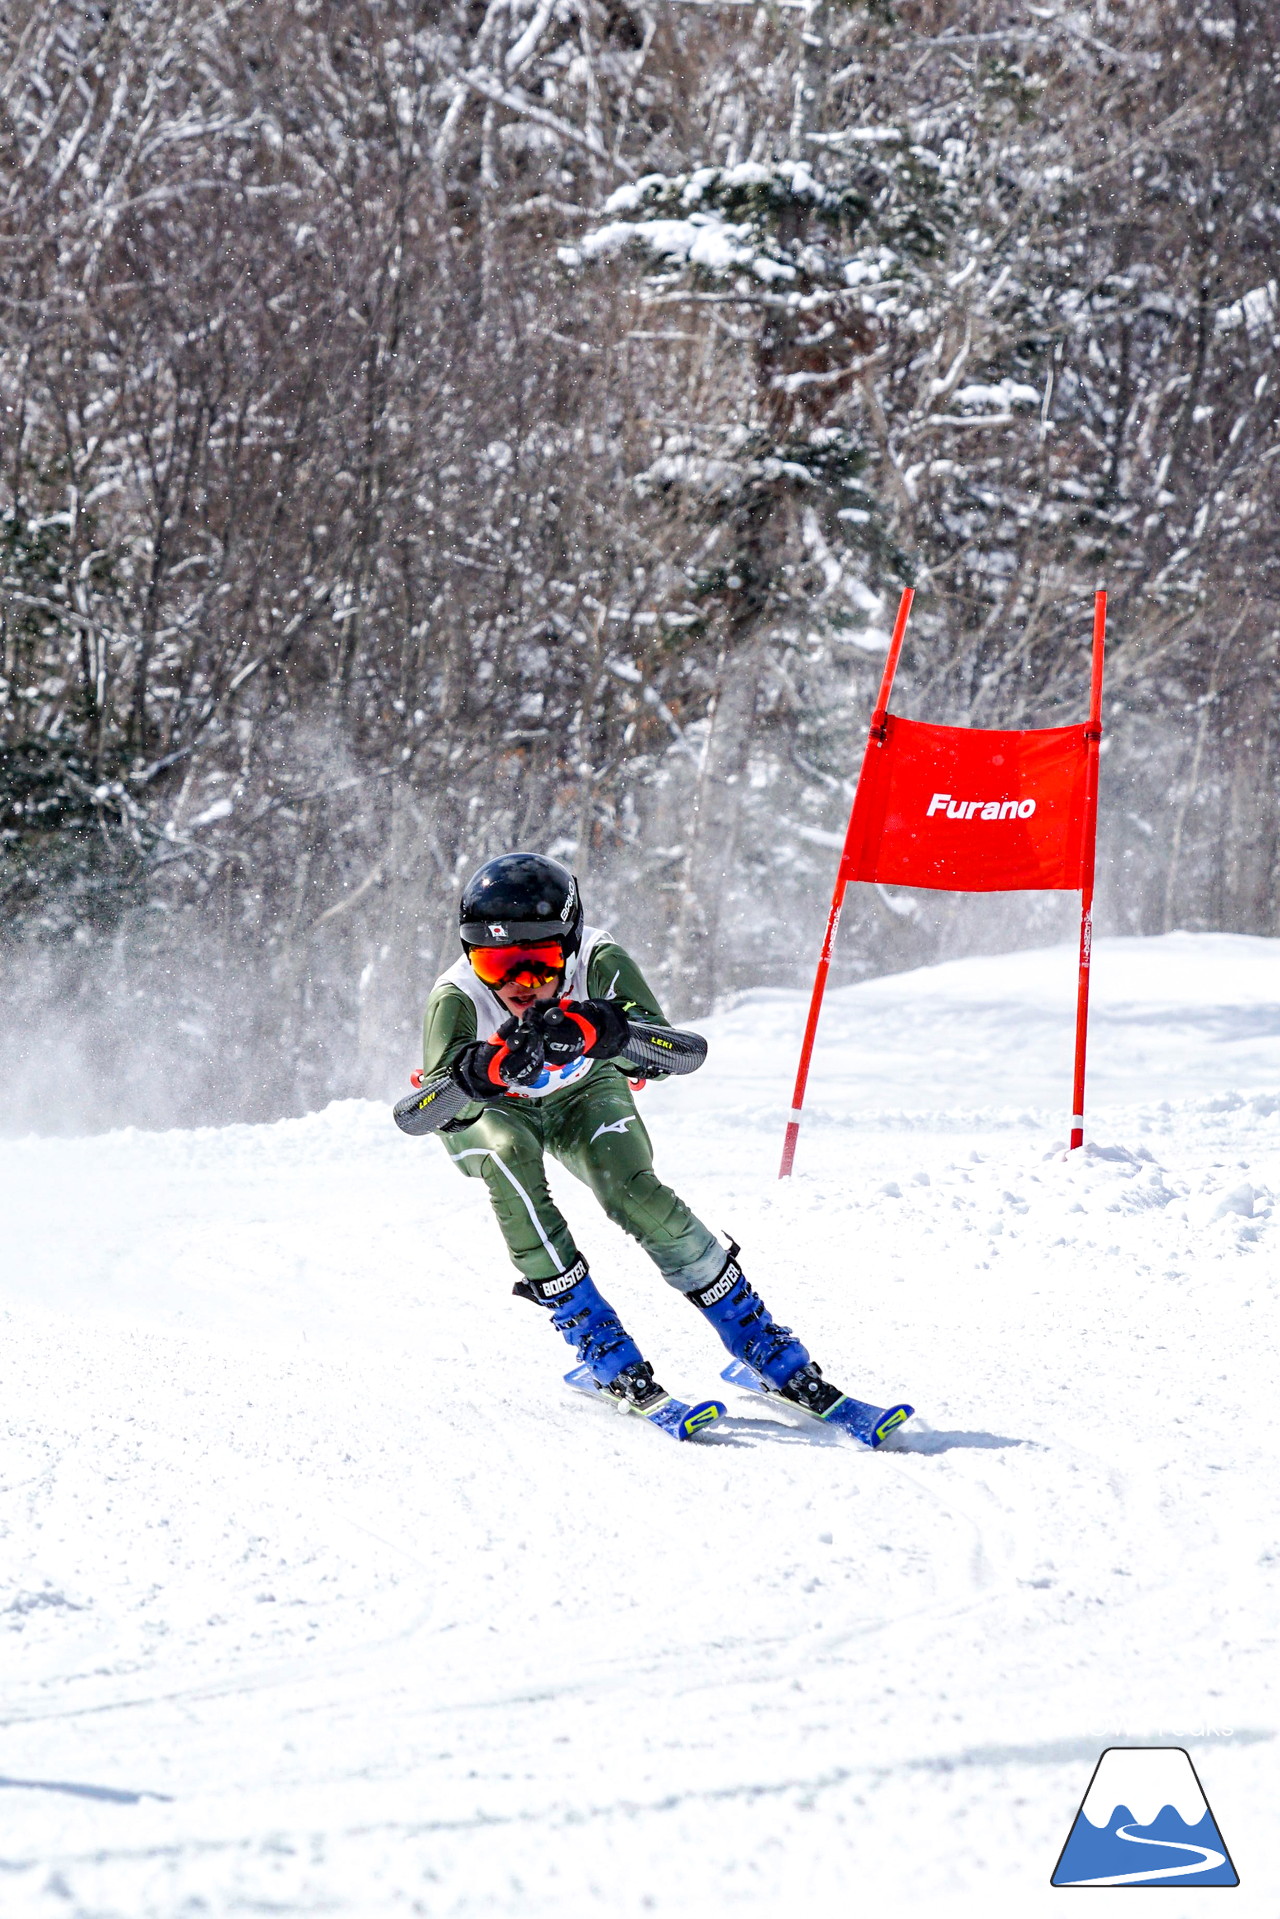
[{"x": 518, "y": 899}]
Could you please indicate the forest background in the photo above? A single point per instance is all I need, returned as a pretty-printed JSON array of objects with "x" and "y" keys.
[{"x": 431, "y": 428}]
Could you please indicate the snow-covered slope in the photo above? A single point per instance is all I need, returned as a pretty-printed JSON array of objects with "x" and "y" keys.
[
  {"x": 1172, "y": 1018},
  {"x": 320, "y": 1594}
]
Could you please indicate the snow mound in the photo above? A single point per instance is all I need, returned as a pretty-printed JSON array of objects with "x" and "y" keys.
[{"x": 1173, "y": 1018}]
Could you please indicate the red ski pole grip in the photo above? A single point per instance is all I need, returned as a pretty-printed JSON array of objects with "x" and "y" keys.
[{"x": 584, "y": 1026}]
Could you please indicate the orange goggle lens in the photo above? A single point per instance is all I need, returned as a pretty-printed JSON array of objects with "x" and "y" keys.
[{"x": 511, "y": 965}]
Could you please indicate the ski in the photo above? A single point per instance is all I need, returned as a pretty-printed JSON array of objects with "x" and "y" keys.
[
  {"x": 653, "y": 1049},
  {"x": 669, "y": 1415},
  {"x": 871, "y": 1424}
]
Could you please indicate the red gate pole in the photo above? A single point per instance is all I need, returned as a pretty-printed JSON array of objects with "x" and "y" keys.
[
  {"x": 875, "y": 738},
  {"x": 1093, "y": 735}
]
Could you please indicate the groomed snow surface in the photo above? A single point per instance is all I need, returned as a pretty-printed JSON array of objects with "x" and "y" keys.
[{"x": 320, "y": 1593}]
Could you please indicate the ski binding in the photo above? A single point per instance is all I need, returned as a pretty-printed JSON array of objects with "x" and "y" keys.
[
  {"x": 670, "y": 1415},
  {"x": 871, "y": 1424}
]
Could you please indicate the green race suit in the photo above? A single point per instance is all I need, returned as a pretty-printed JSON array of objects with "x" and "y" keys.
[{"x": 590, "y": 1125}]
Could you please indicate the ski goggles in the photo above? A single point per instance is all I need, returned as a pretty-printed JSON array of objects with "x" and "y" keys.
[{"x": 517, "y": 965}]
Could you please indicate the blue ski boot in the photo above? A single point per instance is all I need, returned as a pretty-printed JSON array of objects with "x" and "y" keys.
[
  {"x": 589, "y": 1323},
  {"x": 768, "y": 1358},
  {"x": 753, "y": 1336}
]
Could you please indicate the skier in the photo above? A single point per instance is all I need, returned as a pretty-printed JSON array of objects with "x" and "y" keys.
[{"x": 556, "y": 997}]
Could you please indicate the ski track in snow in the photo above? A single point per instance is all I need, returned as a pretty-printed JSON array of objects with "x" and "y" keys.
[{"x": 319, "y": 1592}]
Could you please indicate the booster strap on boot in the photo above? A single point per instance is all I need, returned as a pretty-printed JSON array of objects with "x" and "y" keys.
[
  {"x": 545, "y": 1292},
  {"x": 724, "y": 1282}
]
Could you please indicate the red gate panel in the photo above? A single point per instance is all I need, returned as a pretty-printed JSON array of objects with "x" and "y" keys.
[{"x": 970, "y": 810}]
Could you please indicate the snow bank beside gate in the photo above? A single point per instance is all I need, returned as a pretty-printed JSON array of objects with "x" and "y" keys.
[{"x": 1184, "y": 1016}]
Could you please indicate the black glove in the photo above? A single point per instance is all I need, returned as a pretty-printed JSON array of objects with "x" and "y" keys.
[
  {"x": 513, "y": 1057},
  {"x": 563, "y": 1038},
  {"x": 597, "y": 1027}
]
